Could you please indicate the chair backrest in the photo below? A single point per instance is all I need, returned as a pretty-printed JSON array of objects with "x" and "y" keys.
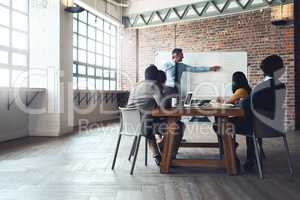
[{"x": 130, "y": 121}]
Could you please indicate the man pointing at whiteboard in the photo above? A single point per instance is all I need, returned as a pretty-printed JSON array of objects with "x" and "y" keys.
[{"x": 175, "y": 69}]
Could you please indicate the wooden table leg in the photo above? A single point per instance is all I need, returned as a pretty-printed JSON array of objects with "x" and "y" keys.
[
  {"x": 229, "y": 149},
  {"x": 168, "y": 146}
]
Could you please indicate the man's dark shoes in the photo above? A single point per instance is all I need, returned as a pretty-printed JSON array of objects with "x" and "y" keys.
[{"x": 157, "y": 160}]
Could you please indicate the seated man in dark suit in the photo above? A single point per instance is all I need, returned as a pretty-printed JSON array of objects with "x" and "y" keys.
[
  {"x": 269, "y": 95},
  {"x": 267, "y": 99}
]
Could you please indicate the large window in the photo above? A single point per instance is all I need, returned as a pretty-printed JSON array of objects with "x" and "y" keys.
[
  {"x": 94, "y": 53},
  {"x": 13, "y": 43}
]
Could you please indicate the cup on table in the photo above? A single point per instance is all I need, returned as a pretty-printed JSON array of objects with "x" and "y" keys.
[{"x": 174, "y": 102}]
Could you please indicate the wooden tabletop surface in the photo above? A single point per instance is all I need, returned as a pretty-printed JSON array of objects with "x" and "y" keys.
[{"x": 200, "y": 111}]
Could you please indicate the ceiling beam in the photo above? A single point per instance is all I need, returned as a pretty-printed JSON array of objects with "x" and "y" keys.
[{"x": 202, "y": 9}]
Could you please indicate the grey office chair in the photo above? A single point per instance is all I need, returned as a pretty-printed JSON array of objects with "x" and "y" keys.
[
  {"x": 131, "y": 125},
  {"x": 261, "y": 131}
]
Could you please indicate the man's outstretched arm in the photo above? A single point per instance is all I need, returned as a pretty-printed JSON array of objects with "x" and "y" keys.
[{"x": 199, "y": 69}]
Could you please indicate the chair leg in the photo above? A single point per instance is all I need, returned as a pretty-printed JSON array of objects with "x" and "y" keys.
[
  {"x": 260, "y": 141},
  {"x": 221, "y": 150},
  {"x": 257, "y": 157},
  {"x": 135, "y": 154},
  {"x": 132, "y": 148},
  {"x": 288, "y": 155},
  {"x": 146, "y": 151},
  {"x": 116, "y": 152}
]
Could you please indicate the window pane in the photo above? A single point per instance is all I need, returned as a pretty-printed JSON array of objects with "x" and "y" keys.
[
  {"x": 75, "y": 15},
  {"x": 3, "y": 57},
  {"x": 112, "y": 74},
  {"x": 106, "y": 50},
  {"x": 4, "y": 36},
  {"x": 113, "y": 85},
  {"x": 83, "y": 16},
  {"x": 99, "y": 36},
  {"x": 106, "y": 74},
  {"x": 81, "y": 56},
  {"x": 106, "y": 84},
  {"x": 75, "y": 40},
  {"x": 91, "y": 71},
  {"x": 91, "y": 45},
  {"x": 19, "y": 40},
  {"x": 19, "y": 78},
  {"x": 74, "y": 69},
  {"x": 19, "y": 21},
  {"x": 74, "y": 54},
  {"x": 113, "y": 52},
  {"x": 113, "y": 30},
  {"x": 106, "y": 61},
  {"x": 106, "y": 27},
  {"x": 98, "y": 72},
  {"x": 4, "y": 77},
  {"x": 5, "y": 2},
  {"x": 99, "y": 48},
  {"x": 81, "y": 69},
  {"x": 106, "y": 39},
  {"x": 19, "y": 59},
  {"x": 91, "y": 58},
  {"x": 99, "y": 84},
  {"x": 113, "y": 63},
  {"x": 81, "y": 83},
  {"x": 4, "y": 16},
  {"x": 92, "y": 19},
  {"x": 92, "y": 32},
  {"x": 99, "y": 60},
  {"x": 81, "y": 42},
  {"x": 113, "y": 41},
  {"x": 75, "y": 26},
  {"x": 21, "y": 5},
  {"x": 75, "y": 83},
  {"x": 99, "y": 23},
  {"x": 91, "y": 84},
  {"x": 82, "y": 28}
]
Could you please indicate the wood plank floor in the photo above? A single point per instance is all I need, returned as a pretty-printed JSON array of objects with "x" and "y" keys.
[{"x": 77, "y": 166}]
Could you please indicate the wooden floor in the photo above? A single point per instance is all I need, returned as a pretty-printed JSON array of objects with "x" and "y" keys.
[{"x": 78, "y": 167}]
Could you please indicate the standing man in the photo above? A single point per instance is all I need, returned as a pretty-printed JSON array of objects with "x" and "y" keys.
[{"x": 175, "y": 69}]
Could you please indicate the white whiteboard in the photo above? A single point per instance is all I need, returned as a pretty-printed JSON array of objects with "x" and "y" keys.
[{"x": 207, "y": 85}]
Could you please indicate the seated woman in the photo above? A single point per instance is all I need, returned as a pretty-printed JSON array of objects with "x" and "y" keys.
[{"x": 241, "y": 93}]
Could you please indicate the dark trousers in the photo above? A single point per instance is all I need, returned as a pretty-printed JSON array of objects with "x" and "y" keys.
[{"x": 241, "y": 128}]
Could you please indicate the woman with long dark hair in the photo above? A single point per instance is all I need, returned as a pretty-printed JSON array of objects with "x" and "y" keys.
[
  {"x": 241, "y": 92},
  {"x": 240, "y": 88}
]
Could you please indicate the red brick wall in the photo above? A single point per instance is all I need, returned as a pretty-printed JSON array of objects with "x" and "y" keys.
[
  {"x": 297, "y": 62},
  {"x": 128, "y": 59},
  {"x": 251, "y": 32}
]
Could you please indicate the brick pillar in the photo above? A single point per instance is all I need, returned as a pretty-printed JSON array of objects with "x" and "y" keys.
[{"x": 297, "y": 63}]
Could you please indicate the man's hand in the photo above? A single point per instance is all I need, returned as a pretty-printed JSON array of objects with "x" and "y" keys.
[{"x": 215, "y": 68}]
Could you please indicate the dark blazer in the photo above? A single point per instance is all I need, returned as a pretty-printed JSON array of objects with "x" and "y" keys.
[
  {"x": 267, "y": 105},
  {"x": 264, "y": 98}
]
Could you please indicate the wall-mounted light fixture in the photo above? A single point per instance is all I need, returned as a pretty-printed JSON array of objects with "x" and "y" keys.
[
  {"x": 281, "y": 15},
  {"x": 71, "y": 7}
]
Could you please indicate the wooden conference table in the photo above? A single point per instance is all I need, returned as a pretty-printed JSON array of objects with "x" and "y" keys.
[{"x": 222, "y": 114}]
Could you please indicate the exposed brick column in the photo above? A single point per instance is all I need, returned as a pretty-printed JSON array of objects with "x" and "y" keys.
[{"x": 297, "y": 63}]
